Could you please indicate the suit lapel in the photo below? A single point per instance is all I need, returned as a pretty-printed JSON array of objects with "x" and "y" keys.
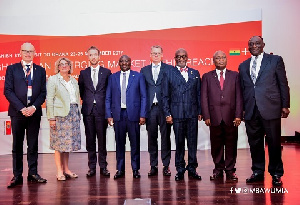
[
  {"x": 117, "y": 80},
  {"x": 130, "y": 80},
  {"x": 20, "y": 71},
  {"x": 160, "y": 75},
  {"x": 149, "y": 73},
  {"x": 247, "y": 64},
  {"x": 178, "y": 75},
  {"x": 263, "y": 65},
  {"x": 215, "y": 78},
  {"x": 100, "y": 74},
  {"x": 227, "y": 79}
]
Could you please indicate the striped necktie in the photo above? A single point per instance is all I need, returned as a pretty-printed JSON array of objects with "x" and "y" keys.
[{"x": 253, "y": 70}]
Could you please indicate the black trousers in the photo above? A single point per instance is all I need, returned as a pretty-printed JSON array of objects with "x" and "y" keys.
[
  {"x": 31, "y": 126},
  {"x": 223, "y": 138},
  {"x": 186, "y": 128},
  {"x": 95, "y": 127},
  {"x": 155, "y": 119},
  {"x": 257, "y": 130}
]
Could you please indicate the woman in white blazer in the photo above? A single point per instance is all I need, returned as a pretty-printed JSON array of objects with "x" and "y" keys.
[{"x": 63, "y": 112}]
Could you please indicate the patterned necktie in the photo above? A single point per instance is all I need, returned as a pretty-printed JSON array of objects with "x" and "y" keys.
[
  {"x": 94, "y": 78},
  {"x": 155, "y": 72},
  {"x": 253, "y": 70},
  {"x": 221, "y": 80},
  {"x": 29, "y": 84},
  {"x": 123, "y": 89}
]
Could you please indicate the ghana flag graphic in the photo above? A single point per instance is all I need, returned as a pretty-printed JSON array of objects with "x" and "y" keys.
[{"x": 234, "y": 52}]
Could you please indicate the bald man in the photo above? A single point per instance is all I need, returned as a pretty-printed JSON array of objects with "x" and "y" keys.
[
  {"x": 222, "y": 109},
  {"x": 25, "y": 90}
]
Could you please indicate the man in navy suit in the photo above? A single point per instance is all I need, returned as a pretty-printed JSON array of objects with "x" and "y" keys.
[
  {"x": 182, "y": 108},
  {"x": 25, "y": 90},
  {"x": 222, "y": 110},
  {"x": 153, "y": 74},
  {"x": 125, "y": 103},
  {"x": 92, "y": 85},
  {"x": 266, "y": 99}
]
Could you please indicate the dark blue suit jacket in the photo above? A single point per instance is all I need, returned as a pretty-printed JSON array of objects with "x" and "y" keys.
[
  {"x": 136, "y": 97},
  {"x": 88, "y": 92},
  {"x": 15, "y": 89},
  {"x": 270, "y": 92},
  {"x": 181, "y": 99},
  {"x": 153, "y": 87}
]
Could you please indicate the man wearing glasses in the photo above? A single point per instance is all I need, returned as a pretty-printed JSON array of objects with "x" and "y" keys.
[
  {"x": 25, "y": 90},
  {"x": 182, "y": 108},
  {"x": 153, "y": 74}
]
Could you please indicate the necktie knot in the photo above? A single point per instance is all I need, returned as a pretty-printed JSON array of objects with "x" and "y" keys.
[
  {"x": 184, "y": 69},
  {"x": 27, "y": 68}
]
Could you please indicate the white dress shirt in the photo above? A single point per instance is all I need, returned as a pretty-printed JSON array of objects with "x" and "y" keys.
[
  {"x": 184, "y": 74},
  {"x": 219, "y": 73},
  {"x": 158, "y": 70}
]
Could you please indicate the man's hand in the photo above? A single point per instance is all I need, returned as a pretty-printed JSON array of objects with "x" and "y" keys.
[
  {"x": 169, "y": 120},
  {"x": 285, "y": 112},
  {"x": 199, "y": 117},
  {"x": 207, "y": 122},
  {"x": 30, "y": 111},
  {"x": 110, "y": 121},
  {"x": 24, "y": 111},
  {"x": 142, "y": 121},
  {"x": 237, "y": 122}
]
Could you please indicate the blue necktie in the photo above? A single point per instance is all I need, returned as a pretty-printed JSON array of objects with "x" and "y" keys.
[{"x": 29, "y": 83}]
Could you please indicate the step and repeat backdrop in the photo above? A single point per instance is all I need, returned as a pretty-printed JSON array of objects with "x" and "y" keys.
[{"x": 200, "y": 41}]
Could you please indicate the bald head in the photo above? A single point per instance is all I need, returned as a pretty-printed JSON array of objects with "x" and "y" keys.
[
  {"x": 220, "y": 60},
  {"x": 27, "y": 52}
]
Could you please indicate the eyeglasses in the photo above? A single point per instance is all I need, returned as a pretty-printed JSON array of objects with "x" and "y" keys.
[
  {"x": 63, "y": 64},
  {"x": 156, "y": 54},
  {"x": 178, "y": 57},
  {"x": 27, "y": 51}
]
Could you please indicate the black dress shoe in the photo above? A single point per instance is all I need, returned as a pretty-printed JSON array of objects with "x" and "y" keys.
[
  {"x": 179, "y": 176},
  {"x": 36, "y": 178},
  {"x": 91, "y": 173},
  {"x": 216, "y": 176},
  {"x": 194, "y": 175},
  {"x": 276, "y": 180},
  {"x": 153, "y": 171},
  {"x": 255, "y": 178},
  {"x": 231, "y": 176},
  {"x": 119, "y": 174},
  {"x": 104, "y": 172},
  {"x": 166, "y": 171},
  {"x": 15, "y": 181},
  {"x": 136, "y": 174}
]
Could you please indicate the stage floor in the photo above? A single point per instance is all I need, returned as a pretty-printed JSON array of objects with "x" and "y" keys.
[{"x": 160, "y": 189}]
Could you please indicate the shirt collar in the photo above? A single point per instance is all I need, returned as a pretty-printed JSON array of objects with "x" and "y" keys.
[
  {"x": 24, "y": 63},
  {"x": 127, "y": 72},
  {"x": 97, "y": 68},
  {"x": 159, "y": 64},
  {"x": 260, "y": 56},
  {"x": 219, "y": 71}
]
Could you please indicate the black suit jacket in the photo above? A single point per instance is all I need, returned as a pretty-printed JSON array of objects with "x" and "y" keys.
[
  {"x": 217, "y": 104},
  {"x": 181, "y": 99},
  {"x": 153, "y": 87},
  {"x": 15, "y": 89},
  {"x": 88, "y": 93},
  {"x": 270, "y": 92}
]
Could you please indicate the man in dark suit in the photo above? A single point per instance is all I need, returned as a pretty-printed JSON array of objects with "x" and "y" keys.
[
  {"x": 266, "y": 99},
  {"x": 181, "y": 104},
  {"x": 25, "y": 90},
  {"x": 222, "y": 110},
  {"x": 92, "y": 85},
  {"x": 126, "y": 109},
  {"x": 153, "y": 74}
]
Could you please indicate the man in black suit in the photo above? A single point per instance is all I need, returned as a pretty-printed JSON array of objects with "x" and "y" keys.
[
  {"x": 182, "y": 108},
  {"x": 266, "y": 99},
  {"x": 92, "y": 85},
  {"x": 153, "y": 74},
  {"x": 25, "y": 90}
]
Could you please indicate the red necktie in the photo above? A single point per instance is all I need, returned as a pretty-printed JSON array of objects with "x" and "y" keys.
[{"x": 221, "y": 80}]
